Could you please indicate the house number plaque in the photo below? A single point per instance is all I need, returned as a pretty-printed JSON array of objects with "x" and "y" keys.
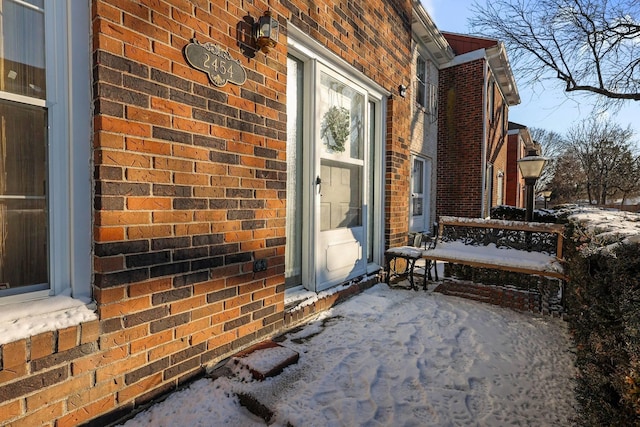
[{"x": 218, "y": 64}]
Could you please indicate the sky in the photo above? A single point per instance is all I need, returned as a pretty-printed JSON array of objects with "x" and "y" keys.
[{"x": 542, "y": 106}]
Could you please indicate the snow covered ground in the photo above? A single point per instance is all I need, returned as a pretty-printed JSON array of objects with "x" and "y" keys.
[{"x": 395, "y": 357}]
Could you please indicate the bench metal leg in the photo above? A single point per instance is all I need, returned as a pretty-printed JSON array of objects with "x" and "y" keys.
[{"x": 408, "y": 270}]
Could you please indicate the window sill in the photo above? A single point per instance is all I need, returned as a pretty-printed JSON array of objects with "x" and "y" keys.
[{"x": 29, "y": 318}]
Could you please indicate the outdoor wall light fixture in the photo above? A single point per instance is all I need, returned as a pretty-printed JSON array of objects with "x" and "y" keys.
[
  {"x": 530, "y": 168},
  {"x": 266, "y": 32},
  {"x": 402, "y": 90}
]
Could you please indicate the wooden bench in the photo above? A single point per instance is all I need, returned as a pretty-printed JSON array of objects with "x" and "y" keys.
[{"x": 520, "y": 247}]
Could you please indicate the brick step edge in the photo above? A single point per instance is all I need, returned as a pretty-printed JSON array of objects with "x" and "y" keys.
[
  {"x": 283, "y": 357},
  {"x": 519, "y": 300}
]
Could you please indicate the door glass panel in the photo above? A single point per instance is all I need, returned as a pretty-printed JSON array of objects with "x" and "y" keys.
[
  {"x": 22, "y": 67},
  {"x": 341, "y": 119},
  {"x": 23, "y": 202},
  {"x": 341, "y": 195},
  {"x": 293, "y": 248},
  {"x": 418, "y": 187}
]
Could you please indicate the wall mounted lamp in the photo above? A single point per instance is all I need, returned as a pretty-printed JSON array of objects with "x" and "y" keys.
[
  {"x": 402, "y": 90},
  {"x": 266, "y": 32}
]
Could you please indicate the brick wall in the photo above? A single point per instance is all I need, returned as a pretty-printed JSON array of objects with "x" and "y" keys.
[
  {"x": 511, "y": 197},
  {"x": 460, "y": 135},
  {"x": 189, "y": 186},
  {"x": 497, "y": 143}
]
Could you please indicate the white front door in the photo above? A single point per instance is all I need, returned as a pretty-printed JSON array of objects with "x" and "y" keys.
[
  {"x": 420, "y": 203},
  {"x": 340, "y": 145}
]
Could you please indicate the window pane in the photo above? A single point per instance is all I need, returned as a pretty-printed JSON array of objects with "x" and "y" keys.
[
  {"x": 23, "y": 202},
  {"x": 418, "y": 176},
  {"x": 342, "y": 121},
  {"x": 421, "y": 81},
  {"x": 295, "y": 98},
  {"x": 341, "y": 204},
  {"x": 22, "y": 65}
]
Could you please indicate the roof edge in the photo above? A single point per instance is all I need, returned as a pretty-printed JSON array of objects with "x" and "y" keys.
[{"x": 426, "y": 31}]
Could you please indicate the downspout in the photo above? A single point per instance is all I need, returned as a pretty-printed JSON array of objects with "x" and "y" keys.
[{"x": 484, "y": 135}]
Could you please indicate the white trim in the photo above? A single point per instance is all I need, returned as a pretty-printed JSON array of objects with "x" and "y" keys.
[
  {"x": 58, "y": 134},
  {"x": 304, "y": 44},
  {"x": 80, "y": 125},
  {"x": 423, "y": 28},
  {"x": 22, "y": 99},
  {"x": 28, "y": 5},
  {"x": 474, "y": 55}
]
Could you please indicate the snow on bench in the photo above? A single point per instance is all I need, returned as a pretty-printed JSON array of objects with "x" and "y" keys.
[{"x": 521, "y": 247}]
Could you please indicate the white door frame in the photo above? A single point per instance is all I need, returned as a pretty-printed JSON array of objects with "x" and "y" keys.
[
  {"x": 419, "y": 223},
  {"x": 315, "y": 56}
]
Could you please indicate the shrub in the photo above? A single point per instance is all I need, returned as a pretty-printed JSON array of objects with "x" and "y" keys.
[
  {"x": 603, "y": 302},
  {"x": 511, "y": 213}
]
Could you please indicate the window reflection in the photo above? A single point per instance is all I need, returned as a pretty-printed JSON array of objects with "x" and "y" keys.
[{"x": 22, "y": 59}]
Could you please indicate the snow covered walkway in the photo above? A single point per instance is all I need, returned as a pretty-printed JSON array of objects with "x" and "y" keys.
[{"x": 394, "y": 357}]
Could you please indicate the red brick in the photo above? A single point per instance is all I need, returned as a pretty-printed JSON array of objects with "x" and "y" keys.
[
  {"x": 41, "y": 345},
  {"x": 139, "y": 388},
  {"x": 68, "y": 338},
  {"x": 89, "y": 331},
  {"x": 88, "y": 412}
]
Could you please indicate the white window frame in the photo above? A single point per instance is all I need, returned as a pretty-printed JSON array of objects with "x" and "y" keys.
[
  {"x": 68, "y": 103},
  {"x": 421, "y": 65},
  {"x": 429, "y": 99}
]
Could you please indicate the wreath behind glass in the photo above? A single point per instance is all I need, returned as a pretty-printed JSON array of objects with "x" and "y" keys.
[{"x": 335, "y": 128}]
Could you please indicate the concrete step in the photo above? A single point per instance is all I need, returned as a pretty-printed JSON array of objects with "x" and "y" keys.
[{"x": 265, "y": 359}]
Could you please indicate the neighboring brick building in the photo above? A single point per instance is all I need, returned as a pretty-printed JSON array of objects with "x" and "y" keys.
[
  {"x": 475, "y": 90},
  {"x": 430, "y": 52},
  {"x": 519, "y": 145},
  {"x": 179, "y": 207}
]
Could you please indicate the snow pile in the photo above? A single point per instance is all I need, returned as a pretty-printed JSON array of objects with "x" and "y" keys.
[
  {"x": 400, "y": 357},
  {"x": 604, "y": 229},
  {"x": 22, "y": 320}
]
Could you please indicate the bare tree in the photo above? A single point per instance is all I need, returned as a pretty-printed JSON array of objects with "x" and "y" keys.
[
  {"x": 605, "y": 152},
  {"x": 568, "y": 181},
  {"x": 590, "y": 45},
  {"x": 627, "y": 182}
]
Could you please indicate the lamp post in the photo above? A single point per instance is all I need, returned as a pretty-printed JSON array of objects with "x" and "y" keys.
[
  {"x": 546, "y": 194},
  {"x": 530, "y": 168}
]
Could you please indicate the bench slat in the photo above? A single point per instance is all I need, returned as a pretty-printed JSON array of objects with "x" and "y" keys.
[
  {"x": 497, "y": 267},
  {"x": 502, "y": 224}
]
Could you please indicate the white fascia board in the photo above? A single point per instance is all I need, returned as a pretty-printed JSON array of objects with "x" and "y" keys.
[
  {"x": 466, "y": 57},
  {"x": 501, "y": 69},
  {"x": 426, "y": 33}
]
